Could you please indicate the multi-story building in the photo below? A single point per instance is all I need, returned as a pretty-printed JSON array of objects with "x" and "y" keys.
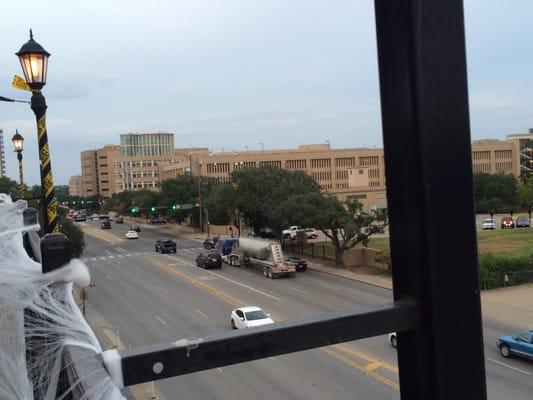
[
  {"x": 147, "y": 144},
  {"x": 75, "y": 185},
  {"x": 2, "y": 155},
  {"x": 357, "y": 173}
]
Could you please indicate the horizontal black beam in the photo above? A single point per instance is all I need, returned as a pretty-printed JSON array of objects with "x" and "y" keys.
[{"x": 154, "y": 362}]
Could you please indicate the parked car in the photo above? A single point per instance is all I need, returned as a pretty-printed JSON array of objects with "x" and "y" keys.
[
  {"x": 165, "y": 246},
  {"x": 80, "y": 217},
  {"x": 210, "y": 243},
  {"x": 299, "y": 263},
  {"x": 291, "y": 232},
  {"x": 119, "y": 220},
  {"x": 392, "y": 339},
  {"x": 105, "y": 224},
  {"x": 507, "y": 222},
  {"x": 522, "y": 221},
  {"x": 488, "y": 223},
  {"x": 157, "y": 221},
  {"x": 210, "y": 260},
  {"x": 311, "y": 233},
  {"x": 248, "y": 317},
  {"x": 267, "y": 233},
  {"x": 131, "y": 235},
  {"x": 95, "y": 217},
  {"x": 135, "y": 228},
  {"x": 520, "y": 345}
]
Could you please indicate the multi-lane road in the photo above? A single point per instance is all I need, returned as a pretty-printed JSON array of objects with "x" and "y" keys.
[{"x": 142, "y": 297}]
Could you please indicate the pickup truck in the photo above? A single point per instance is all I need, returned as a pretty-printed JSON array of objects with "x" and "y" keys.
[{"x": 291, "y": 232}]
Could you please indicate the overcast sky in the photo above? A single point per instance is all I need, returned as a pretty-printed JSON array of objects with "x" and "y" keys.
[{"x": 234, "y": 73}]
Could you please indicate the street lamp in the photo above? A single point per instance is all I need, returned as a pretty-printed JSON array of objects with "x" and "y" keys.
[
  {"x": 262, "y": 147},
  {"x": 34, "y": 61},
  {"x": 18, "y": 147}
]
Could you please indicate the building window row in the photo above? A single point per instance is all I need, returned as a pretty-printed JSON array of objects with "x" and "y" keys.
[
  {"x": 327, "y": 186},
  {"x": 341, "y": 174},
  {"x": 481, "y": 155},
  {"x": 216, "y": 168},
  {"x": 271, "y": 163},
  {"x": 503, "y": 154},
  {"x": 485, "y": 167},
  {"x": 321, "y": 175},
  {"x": 373, "y": 173},
  {"x": 296, "y": 164},
  {"x": 368, "y": 161},
  {"x": 342, "y": 186},
  {"x": 504, "y": 167},
  {"x": 345, "y": 162},
  {"x": 320, "y": 162},
  {"x": 374, "y": 184}
]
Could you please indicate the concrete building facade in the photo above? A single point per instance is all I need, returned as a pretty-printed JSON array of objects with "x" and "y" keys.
[
  {"x": 75, "y": 185},
  {"x": 357, "y": 173}
]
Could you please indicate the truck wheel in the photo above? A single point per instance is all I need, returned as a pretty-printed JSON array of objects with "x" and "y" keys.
[
  {"x": 270, "y": 274},
  {"x": 265, "y": 272}
]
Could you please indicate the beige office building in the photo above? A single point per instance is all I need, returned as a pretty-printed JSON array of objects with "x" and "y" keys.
[
  {"x": 75, "y": 185},
  {"x": 357, "y": 173}
]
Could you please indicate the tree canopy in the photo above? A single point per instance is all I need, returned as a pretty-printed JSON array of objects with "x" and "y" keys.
[{"x": 495, "y": 192}]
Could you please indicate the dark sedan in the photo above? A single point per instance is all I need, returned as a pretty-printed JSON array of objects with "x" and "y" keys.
[
  {"x": 135, "y": 228},
  {"x": 105, "y": 224},
  {"x": 157, "y": 221},
  {"x": 520, "y": 344},
  {"x": 299, "y": 263},
  {"x": 165, "y": 246},
  {"x": 211, "y": 260}
]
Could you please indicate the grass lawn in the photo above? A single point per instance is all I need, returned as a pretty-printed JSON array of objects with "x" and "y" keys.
[{"x": 498, "y": 241}]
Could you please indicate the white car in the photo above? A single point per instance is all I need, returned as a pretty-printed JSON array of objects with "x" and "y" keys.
[
  {"x": 392, "y": 339},
  {"x": 488, "y": 223},
  {"x": 131, "y": 235},
  {"x": 248, "y": 317},
  {"x": 311, "y": 233}
]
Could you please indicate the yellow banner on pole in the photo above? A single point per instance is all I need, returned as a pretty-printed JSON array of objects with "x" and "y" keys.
[{"x": 20, "y": 83}]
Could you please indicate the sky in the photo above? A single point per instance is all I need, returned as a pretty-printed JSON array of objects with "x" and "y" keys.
[{"x": 235, "y": 73}]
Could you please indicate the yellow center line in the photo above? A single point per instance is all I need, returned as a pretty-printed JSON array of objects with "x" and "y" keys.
[
  {"x": 366, "y": 357},
  {"x": 368, "y": 369}
]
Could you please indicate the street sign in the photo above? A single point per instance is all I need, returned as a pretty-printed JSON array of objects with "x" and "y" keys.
[{"x": 20, "y": 83}]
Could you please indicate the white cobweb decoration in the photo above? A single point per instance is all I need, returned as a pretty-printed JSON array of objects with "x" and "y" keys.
[{"x": 40, "y": 318}]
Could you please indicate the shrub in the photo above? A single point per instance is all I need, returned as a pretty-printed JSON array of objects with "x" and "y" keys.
[{"x": 494, "y": 268}]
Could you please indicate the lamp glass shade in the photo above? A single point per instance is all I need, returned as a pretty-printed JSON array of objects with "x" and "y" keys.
[
  {"x": 18, "y": 142},
  {"x": 35, "y": 68}
]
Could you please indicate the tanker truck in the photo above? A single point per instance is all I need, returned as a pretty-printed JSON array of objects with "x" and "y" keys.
[{"x": 266, "y": 254}]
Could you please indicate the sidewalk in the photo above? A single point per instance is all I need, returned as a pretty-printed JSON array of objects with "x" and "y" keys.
[{"x": 382, "y": 281}]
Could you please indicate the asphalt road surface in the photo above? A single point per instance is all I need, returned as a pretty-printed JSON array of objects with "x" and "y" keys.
[{"x": 142, "y": 297}]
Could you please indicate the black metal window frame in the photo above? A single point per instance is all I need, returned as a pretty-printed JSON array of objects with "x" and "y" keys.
[{"x": 424, "y": 105}]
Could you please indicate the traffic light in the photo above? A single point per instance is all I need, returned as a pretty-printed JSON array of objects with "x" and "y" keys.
[
  {"x": 152, "y": 209},
  {"x": 174, "y": 207},
  {"x": 134, "y": 210}
]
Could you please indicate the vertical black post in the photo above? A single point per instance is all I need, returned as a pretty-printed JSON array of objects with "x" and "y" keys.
[
  {"x": 424, "y": 103},
  {"x": 48, "y": 203}
]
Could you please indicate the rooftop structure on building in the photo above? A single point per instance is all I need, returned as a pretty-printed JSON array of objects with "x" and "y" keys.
[{"x": 147, "y": 144}]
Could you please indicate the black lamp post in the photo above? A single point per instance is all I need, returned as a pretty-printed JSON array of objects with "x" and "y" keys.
[
  {"x": 34, "y": 61},
  {"x": 18, "y": 147}
]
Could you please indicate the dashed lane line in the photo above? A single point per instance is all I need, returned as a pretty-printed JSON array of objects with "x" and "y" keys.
[
  {"x": 509, "y": 366},
  {"x": 201, "y": 313},
  {"x": 230, "y": 280},
  {"x": 299, "y": 290},
  {"x": 160, "y": 320}
]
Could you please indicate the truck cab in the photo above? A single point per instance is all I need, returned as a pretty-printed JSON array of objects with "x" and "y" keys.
[{"x": 291, "y": 232}]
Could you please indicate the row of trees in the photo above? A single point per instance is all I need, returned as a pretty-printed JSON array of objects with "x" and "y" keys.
[
  {"x": 502, "y": 193},
  {"x": 265, "y": 197}
]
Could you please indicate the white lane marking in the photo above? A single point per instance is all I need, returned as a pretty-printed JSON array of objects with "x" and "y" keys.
[
  {"x": 201, "y": 313},
  {"x": 94, "y": 258},
  {"x": 219, "y": 369},
  {"x": 108, "y": 277},
  {"x": 299, "y": 290},
  {"x": 509, "y": 366},
  {"x": 129, "y": 255},
  {"x": 160, "y": 319},
  {"x": 129, "y": 294},
  {"x": 329, "y": 286},
  {"x": 230, "y": 280},
  {"x": 120, "y": 256},
  {"x": 163, "y": 289},
  {"x": 102, "y": 258},
  {"x": 173, "y": 264},
  {"x": 272, "y": 358},
  {"x": 111, "y": 257}
]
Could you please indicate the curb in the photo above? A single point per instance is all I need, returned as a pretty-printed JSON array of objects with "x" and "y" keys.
[{"x": 352, "y": 278}]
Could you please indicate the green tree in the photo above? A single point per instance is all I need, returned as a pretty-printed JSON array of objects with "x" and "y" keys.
[
  {"x": 74, "y": 235},
  {"x": 346, "y": 225},
  {"x": 8, "y": 186},
  {"x": 495, "y": 189},
  {"x": 258, "y": 193},
  {"x": 219, "y": 203}
]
